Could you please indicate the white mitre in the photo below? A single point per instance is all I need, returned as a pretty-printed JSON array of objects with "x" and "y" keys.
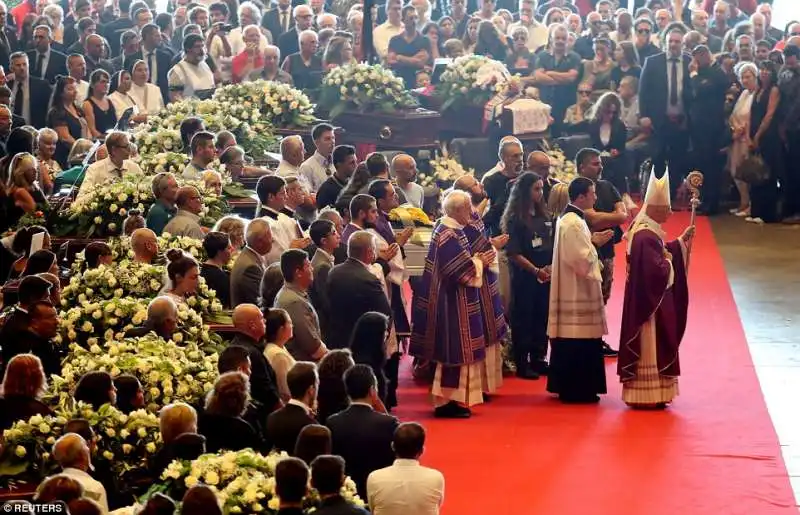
[{"x": 658, "y": 190}]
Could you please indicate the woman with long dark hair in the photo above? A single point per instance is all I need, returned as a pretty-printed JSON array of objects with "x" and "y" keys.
[
  {"x": 99, "y": 111},
  {"x": 627, "y": 58},
  {"x": 490, "y": 42},
  {"x": 529, "y": 226},
  {"x": 368, "y": 345},
  {"x": 765, "y": 140},
  {"x": 66, "y": 118}
]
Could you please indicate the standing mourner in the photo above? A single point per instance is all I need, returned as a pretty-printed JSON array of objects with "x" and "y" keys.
[
  {"x": 656, "y": 304},
  {"x": 447, "y": 328},
  {"x": 577, "y": 319},
  {"x": 530, "y": 256}
]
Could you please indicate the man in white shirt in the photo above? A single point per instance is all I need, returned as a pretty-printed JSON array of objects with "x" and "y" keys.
[
  {"x": 191, "y": 75},
  {"x": 386, "y": 31},
  {"x": 317, "y": 168},
  {"x": 293, "y": 151},
  {"x": 186, "y": 221},
  {"x": 404, "y": 169},
  {"x": 286, "y": 232},
  {"x": 406, "y": 486},
  {"x": 537, "y": 32},
  {"x": 76, "y": 65},
  {"x": 116, "y": 165},
  {"x": 73, "y": 456}
]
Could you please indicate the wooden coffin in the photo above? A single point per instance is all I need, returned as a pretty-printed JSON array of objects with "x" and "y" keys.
[{"x": 407, "y": 130}]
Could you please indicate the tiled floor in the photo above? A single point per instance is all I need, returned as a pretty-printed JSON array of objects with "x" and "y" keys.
[{"x": 763, "y": 266}]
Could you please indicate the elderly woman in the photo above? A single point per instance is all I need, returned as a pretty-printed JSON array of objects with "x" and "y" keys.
[
  {"x": 23, "y": 385},
  {"x": 178, "y": 426},
  {"x": 45, "y": 154},
  {"x": 233, "y": 226},
  {"x": 55, "y": 14},
  {"x": 521, "y": 60},
  {"x": 213, "y": 181},
  {"x": 222, "y": 423},
  {"x": 249, "y": 63},
  {"x": 740, "y": 127}
]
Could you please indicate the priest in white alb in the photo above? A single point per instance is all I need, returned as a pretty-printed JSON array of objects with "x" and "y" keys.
[{"x": 656, "y": 304}]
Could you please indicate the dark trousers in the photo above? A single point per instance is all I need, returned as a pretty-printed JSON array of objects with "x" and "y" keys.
[
  {"x": 790, "y": 187},
  {"x": 392, "y": 370},
  {"x": 671, "y": 146},
  {"x": 764, "y": 200},
  {"x": 707, "y": 159}
]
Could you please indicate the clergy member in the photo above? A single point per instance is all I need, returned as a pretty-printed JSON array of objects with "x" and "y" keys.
[
  {"x": 655, "y": 306},
  {"x": 447, "y": 322},
  {"x": 493, "y": 313},
  {"x": 577, "y": 320}
]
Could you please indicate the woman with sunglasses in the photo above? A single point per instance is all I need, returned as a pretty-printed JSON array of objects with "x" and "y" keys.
[
  {"x": 576, "y": 113},
  {"x": 521, "y": 60}
]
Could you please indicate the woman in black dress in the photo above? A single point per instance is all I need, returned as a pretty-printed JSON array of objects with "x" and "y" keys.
[
  {"x": 66, "y": 119},
  {"x": 368, "y": 345},
  {"x": 766, "y": 141},
  {"x": 218, "y": 249},
  {"x": 627, "y": 63},
  {"x": 530, "y": 255},
  {"x": 99, "y": 111},
  {"x": 490, "y": 42}
]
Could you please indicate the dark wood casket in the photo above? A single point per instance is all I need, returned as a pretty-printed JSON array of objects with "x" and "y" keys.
[{"x": 397, "y": 131}]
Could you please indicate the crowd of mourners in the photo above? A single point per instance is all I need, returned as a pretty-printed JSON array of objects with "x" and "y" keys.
[{"x": 317, "y": 282}]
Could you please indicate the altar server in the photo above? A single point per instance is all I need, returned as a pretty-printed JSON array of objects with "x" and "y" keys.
[
  {"x": 577, "y": 319},
  {"x": 656, "y": 304},
  {"x": 447, "y": 321}
]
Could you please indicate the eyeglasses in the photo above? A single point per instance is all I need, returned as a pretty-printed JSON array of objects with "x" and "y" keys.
[
  {"x": 520, "y": 37},
  {"x": 643, "y": 31}
]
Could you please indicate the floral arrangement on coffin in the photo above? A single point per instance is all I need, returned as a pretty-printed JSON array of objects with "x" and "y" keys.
[
  {"x": 108, "y": 319},
  {"x": 244, "y": 481},
  {"x": 364, "y": 88},
  {"x": 278, "y": 104},
  {"x": 410, "y": 216},
  {"x": 252, "y": 132},
  {"x": 125, "y": 443},
  {"x": 168, "y": 372},
  {"x": 561, "y": 168},
  {"x": 444, "y": 171},
  {"x": 473, "y": 80},
  {"x": 161, "y": 162},
  {"x": 101, "y": 212},
  {"x": 132, "y": 280}
]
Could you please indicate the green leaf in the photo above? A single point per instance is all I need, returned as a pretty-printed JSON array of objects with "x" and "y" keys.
[
  {"x": 337, "y": 110},
  {"x": 13, "y": 469}
]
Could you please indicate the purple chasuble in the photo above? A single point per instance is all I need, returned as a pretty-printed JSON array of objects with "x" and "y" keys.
[
  {"x": 447, "y": 322},
  {"x": 348, "y": 231},
  {"x": 492, "y": 304},
  {"x": 646, "y": 293}
]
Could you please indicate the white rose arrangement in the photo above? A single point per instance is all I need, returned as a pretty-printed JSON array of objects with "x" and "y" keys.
[
  {"x": 473, "y": 80},
  {"x": 169, "y": 372},
  {"x": 124, "y": 443},
  {"x": 244, "y": 481},
  {"x": 269, "y": 102},
  {"x": 364, "y": 88},
  {"x": 561, "y": 168},
  {"x": 445, "y": 170}
]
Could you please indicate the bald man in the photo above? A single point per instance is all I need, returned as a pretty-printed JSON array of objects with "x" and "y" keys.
[
  {"x": 539, "y": 163},
  {"x": 405, "y": 172},
  {"x": 186, "y": 221},
  {"x": 293, "y": 153},
  {"x": 162, "y": 319},
  {"x": 250, "y": 329},
  {"x": 73, "y": 456},
  {"x": 145, "y": 246}
]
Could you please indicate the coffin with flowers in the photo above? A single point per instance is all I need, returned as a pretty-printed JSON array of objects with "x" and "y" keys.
[
  {"x": 372, "y": 105},
  {"x": 416, "y": 249},
  {"x": 243, "y": 481}
]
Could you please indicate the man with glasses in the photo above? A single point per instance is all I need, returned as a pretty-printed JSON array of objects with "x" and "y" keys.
[
  {"x": 115, "y": 166},
  {"x": 186, "y": 221},
  {"x": 537, "y": 32},
  {"x": 644, "y": 47}
]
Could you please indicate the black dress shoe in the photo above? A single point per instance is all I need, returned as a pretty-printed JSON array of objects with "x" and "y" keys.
[
  {"x": 541, "y": 367},
  {"x": 609, "y": 352},
  {"x": 452, "y": 410},
  {"x": 487, "y": 397}
]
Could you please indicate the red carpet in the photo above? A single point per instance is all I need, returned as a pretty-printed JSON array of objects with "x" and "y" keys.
[{"x": 713, "y": 452}]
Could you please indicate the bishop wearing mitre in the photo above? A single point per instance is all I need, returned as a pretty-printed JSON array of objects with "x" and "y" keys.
[{"x": 655, "y": 306}]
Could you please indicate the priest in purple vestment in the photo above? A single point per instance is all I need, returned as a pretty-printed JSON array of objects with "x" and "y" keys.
[
  {"x": 447, "y": 319},
  {"x": 656, "y": 304}
]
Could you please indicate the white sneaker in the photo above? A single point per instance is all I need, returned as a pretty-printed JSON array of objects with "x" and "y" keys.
[
  {"x": 733, "y": 211},
  {"x": 752, "y": 220},
  {"x": 746, "y": 213}
]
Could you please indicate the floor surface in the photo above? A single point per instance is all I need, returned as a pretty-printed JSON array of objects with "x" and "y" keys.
[{"x": 763, "y": 267}]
